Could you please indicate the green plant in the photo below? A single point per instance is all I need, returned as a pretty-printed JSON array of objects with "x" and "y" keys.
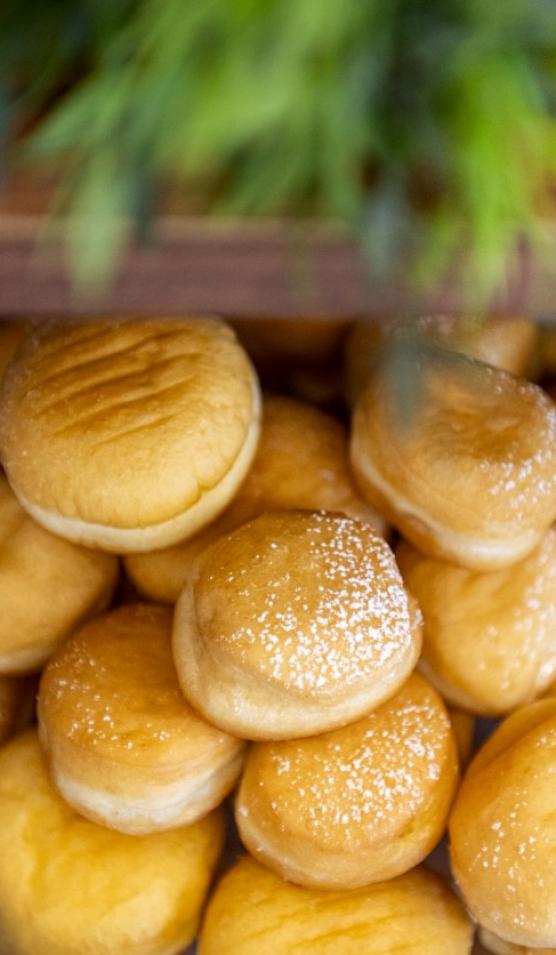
[{"x": 426, "y": 126}]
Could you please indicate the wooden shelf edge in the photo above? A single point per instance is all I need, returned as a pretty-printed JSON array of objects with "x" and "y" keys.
[{"x": 251, "y": 269}]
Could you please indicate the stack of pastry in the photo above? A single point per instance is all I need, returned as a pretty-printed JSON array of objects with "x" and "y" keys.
[
  {"x": 470, "y": 483},
  {"x": 275, "y": 650}
]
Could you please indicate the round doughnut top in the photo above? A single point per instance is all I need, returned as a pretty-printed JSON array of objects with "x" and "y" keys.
[
  {"x": 503, "y": 829},
  {"x": 490, "y": 635},
  {"x": 112, "y": 689},
  {"x": 361, "y": 784},
  {"x": 302, "y": 463},
  {"x": 480, "y": 446},
  {"x": 309, "y": 602},
  {"x": 125, "y": 423},
  {"x": 417, "y": 909},
  {"x": 68, "y": 885}
]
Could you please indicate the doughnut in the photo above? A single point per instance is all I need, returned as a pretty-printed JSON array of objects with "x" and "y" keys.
[
  {"x": 292, "y": 624},
  {"x": 48, "y": 586},
  {"x": 508, "y": 343},
  {"x": 357, "y": 805},
  {"x": 490, "y": 638},
  {"x": 503, "y": 830},
  {"x": 471, "y": 477},
  {"x": 306, "y": 341},
  {"x": 70, "y": 887},
  {"x": 253, "y": 912},
  {"x": 128, "y": 435},
  {"x": 124, "y": 748},
  {"x": 301, "y": 463}
]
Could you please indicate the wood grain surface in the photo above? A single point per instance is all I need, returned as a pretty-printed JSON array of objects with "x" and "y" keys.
[{"x": 248, "y": 268}]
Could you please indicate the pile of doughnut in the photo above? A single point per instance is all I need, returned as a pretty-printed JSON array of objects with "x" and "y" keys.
[{"x": 259, "y": 638}]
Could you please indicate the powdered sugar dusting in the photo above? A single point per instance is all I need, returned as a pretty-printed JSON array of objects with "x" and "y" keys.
[
  {"x": 509, "y": 854},
  {"x": 364, "y": 779},
  {"x": 113, "y": 686},
  {"x": 317, "y": 601}
]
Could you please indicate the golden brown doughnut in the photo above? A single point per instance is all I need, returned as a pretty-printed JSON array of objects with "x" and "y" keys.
[
  {"x": 293, "y": 624},
  {"x": 307, "y": 341},
  {"x": 358, "y": 805},
  {"x": 472, "y": 476},
  {"x": 490, "y": 638},
  {"x": 503, "y": 829},
  {"x": 129, "y": 435},
  {"x": 499, "y": 947},
  {"x": 253, "y": 912},
  {"x": 124, "y": 747},
  {"x": 301, "y": 463},
  {"x": 70, "y": 887},
  {"x": 47, "y": 587},
  {"x": 508, "y": 343}
]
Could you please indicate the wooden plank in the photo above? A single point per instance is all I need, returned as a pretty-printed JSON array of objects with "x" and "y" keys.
[{"x": 241, "y": 269}]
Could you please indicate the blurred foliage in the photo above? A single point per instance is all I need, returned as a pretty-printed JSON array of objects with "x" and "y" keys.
[{"x": 425, "y": 125}]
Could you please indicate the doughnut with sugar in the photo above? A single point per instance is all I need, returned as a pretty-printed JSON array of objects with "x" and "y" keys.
[
  {"x": 293, "y": 624},
  {"x": 124, "y": 747}
]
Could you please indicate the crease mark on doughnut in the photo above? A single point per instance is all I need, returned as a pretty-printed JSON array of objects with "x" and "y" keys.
[
  {"x": 109, "y": 356},
  {"x": 163, "y": 419},
  {"x": 77, "y": 342},
  {"x": 82, "y": 422},
  {"x": 110, "y": 380}
]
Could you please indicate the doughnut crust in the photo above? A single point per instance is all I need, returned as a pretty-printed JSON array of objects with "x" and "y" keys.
[
  {"x": 503, "y": 830},
  {"x": 358, "y": 805},
  {"x": 306, "y": 341},
  {"x": 508, "y": 343},
  {"x": 490, "y": 638},
  {"x": 293, "y": 624},
  {"x": 301, "y": 463},
  {"x": 472, "y": 476},
  {"x": 253, "y": 912},
  {"x": 70, "y": 887},
  {"x": 47, "y": 587},
  {"x": 125, "y": 749},
  {"x": 129, "y": 435}
]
